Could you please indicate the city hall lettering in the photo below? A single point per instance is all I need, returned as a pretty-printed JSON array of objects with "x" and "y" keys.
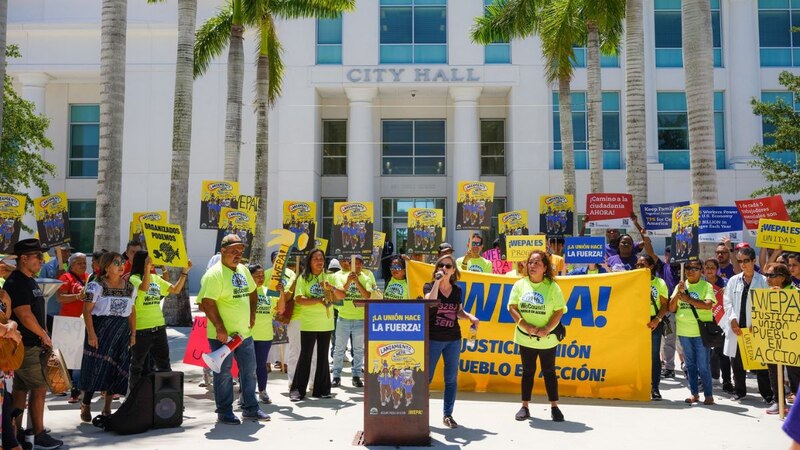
[{"x": 418, "y": 75}]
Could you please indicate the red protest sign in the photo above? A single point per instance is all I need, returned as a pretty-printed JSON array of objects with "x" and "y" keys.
[
  {"x": 198, "y": 344},
  {"x": 761, "y": 208},
  {"x": 499, "y": 265},
  {"x": 609, "y": 210}
]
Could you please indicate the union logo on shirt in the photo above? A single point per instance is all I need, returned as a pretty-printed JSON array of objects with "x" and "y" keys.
[
  {"x": 475, "y": 268},
  {"x": 653, "y": 293},
  {"x": 316, "y": 290},
  {"x": 533, "y": 298},
  {"x": 395, "y": 290},
  {"x": 238, "y": 280}
]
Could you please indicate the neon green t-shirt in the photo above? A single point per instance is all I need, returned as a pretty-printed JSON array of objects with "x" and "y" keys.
[
  {"x": 2, "y": 282},
  {"x": 513, "y": 273},
  {"x": 288, "y": 278},
  {"x": 262, "y": 330},
  {"x": 348, "y": 310},
  {"x": 537, "y": 302},
  {"x": 316, "y": 317},
  {"x": 148, "y": 303},
  {"x": 231, "y": 292},
  {"x": 658, "y": 289},
  {"x": 396, "y": 290},
  {"x": 686, "y": 324},
  {"x": 479, "y": 264}
]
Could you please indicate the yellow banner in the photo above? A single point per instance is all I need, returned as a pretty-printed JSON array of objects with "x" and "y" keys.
[
  {"x": 606, "y": 353},
  {"x": 52, "y": 220},
  {"x": 776, "y": 326},
  {"x": 165, "y": 244},
  {"x": 518, "y": 248},
  {"x": 12, "y": 208},
  {"x": 778, "y": 234},
  {"x": 746, "y": 350}
]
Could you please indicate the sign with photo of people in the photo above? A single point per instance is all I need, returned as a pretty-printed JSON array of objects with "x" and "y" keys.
[
  {"x": 685, "y": 233},
  {"x": 52, "y": 219},
  {"x": 136, "y": 232},
  {"x": 474, "y": 205},
  {"x": 512, "y": 223},
  {"x": 240, "y": 223},
  {"x": 556, "y": 215},
  {"x": 378, "y": 239},
  {"x": 214, "y": 196},
  {"x": 12, "y": 208},
  {"x": 352, "y": 229},
  {"x": 424, "y": 230},
  {"x": 301, "y": 217}
]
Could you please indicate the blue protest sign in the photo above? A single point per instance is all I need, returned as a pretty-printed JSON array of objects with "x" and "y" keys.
[
  {"x": 584, "y": 250},
  {"x": 657, "y": 218},
  {"x": 717, "y": 222}
]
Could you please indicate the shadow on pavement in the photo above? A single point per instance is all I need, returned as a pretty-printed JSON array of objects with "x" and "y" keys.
[
  {"x": 462, "y": 435},
  {"x": 243, "y": 433},
  {"x": 567, "y": 426}
]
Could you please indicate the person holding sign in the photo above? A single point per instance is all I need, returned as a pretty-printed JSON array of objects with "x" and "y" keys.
[
  {"x": 151, "y": 330},
  {"x": 445, "y": 334},
  {"x": 778, "y": 277},
  {"x": 472, "y": 259},
  {"x": 536, "y": 304},
  {"x": 229, "y": 299},
  {"x": 693, "y": 299},
  {"x": 313, "y": 306},
  {"x": 659, "y": 303},
  {"x": 738, "y": 307},
  {"x": 70, "y": 296}
]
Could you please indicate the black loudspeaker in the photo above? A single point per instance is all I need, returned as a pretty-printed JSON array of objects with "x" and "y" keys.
[{"x": 167, "y": 399}]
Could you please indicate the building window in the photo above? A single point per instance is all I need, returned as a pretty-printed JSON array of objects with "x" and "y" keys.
[
  {"x": 668, "y": 28},
  {"x": 498, "y": 207},
  {"x": 497, "y": 52},
  {"x": 329, "y": 41},
  {"x": 605, "y": 60},
  {"x": 612, "y": 150},
  {"x": 776, "y": 22},
  {"x": 394, "y": 217},
  {"x": 413, "y": 31},
  {"x": 84, "y": 140},
  {"x": 413, "y": 147},
  {"x": 787, "y": 157},
  {"x": 673, "y": 130},
  {"x": 493, "y": 147},
  {"x": 81, "y": 224},
  {"x": 327, "y": 216},
  {"x": 334, "y": 147}
]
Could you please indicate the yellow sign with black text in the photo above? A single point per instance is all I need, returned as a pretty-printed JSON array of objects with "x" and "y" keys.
[
  {"x": 775, "y": 327},
  {"x": 778, "y": 234},
  {"x": 165, "y": 244},
  {"x": 518, "y": 248}
]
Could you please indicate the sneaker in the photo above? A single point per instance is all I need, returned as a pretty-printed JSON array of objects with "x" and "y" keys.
[
  {"x": 668, "y": 373},
  {"x": 328, "y": 395},
  {"x": 258, "y": 416},
  {"x": 728, "y": 388},
  {"x": 228, "y": 419},
  {"x": 773, "y": 409},
  {"x": 522, "y": 414},
  {"x": 357, "y": 382},
  {"x": 556, "y": 414},
  {"x": 295, "y": 396},
  {"x": 45, "y": 441},
  {"x": 655, "y": 395},
  {"x": 263, "y": 397},
  {"x": 336, "y": 382},
  {"x": 737, "y": 397},
  {"x": 449, "y": 422},
  {"x": 692, "y": 399}
]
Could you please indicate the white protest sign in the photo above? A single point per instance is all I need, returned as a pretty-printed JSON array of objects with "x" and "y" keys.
[{"x": 68, "y": 336}]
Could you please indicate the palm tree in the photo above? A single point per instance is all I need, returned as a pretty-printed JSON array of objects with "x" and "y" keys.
[
  {"x": 635, "y": 124},
  {"x": 113, "y": 30},
  {"x": 3, "y": 24},
  {"x": 698, "y": 60}
]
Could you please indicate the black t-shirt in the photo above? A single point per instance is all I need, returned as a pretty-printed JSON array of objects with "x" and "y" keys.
[
  {"x": 743, "y": 312},
  {"x": 23, "y": 290},
  {"x": 443, "y": 322}
]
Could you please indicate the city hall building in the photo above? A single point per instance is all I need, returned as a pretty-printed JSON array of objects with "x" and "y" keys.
[{"x": 391, "y": 103}]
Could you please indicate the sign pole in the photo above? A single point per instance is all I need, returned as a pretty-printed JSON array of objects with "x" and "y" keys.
[{"x": 781, "y": 401}]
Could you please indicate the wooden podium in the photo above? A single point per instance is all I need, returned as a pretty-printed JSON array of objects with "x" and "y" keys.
[{"x": 396, "y": 394}]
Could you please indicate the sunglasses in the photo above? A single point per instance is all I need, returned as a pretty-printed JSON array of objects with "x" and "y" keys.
[
  {"x": 443, "y": 265},
  {"x": 772, "y": 275},
  {"x": 692, "y": 268},
  {"x": 744, "y": 261},
  {"x": 396, "y": 267},
  {"x": 477, "y": 244},
  {"x": 38, "y": 255}
]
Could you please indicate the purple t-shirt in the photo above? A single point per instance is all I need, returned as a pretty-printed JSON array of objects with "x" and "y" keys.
[
  {"x": 792, "y": 424},
  {"x": 616, "y": 262},
  {"x": 726, "y": 272}
]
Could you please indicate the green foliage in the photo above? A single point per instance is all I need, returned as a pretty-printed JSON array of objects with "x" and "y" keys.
[
  {"x": 24, "y": 137},
  {"x": 782, "y": 177}
]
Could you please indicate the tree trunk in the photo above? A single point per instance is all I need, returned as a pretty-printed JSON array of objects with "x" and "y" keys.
[
  {"x": 567, "y": 140},
  {"x": 233, "y": 114},
  {"x": 635, "y": 124},
  {"x": 262, "y": 154},
  {"x": 698, "y": 60},
  {"x": 3, "y": 26},
  {"x": 594, "y": 108},
  {"x": 177, "y": 308},
  {"x": 112, "y": 116}
]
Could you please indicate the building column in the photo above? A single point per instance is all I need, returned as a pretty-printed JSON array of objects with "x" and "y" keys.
[
  {"x": 34, "y": 87},
  {"x": 361, "y": 148},
  {"x": 744, "y": 81},
  {"x": 465, "y": 153}
]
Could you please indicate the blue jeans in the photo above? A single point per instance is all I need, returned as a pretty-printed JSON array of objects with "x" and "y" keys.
[
  {"x": 223, "y": 381},
  {"x": 345, "y": 328},
  {"x": 655, "y": 356},
  {"x": 451, "y": 351},
  {"x": 697, "y": 358}
]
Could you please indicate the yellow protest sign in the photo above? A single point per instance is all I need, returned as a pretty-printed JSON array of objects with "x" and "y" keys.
[
  {"x": 424, "y": 230},
  {"x": 606, "y": 353},
  {"x": 136, "y": 232},
  {"x": 321, "y": 244},
  {"x": 556, "y": 214},
  {"x": 301, "y": 217},
  {"x": 778, "y": 234},
  {"x": 165, "y": 244},
  {"x": 12, "y": 208},
  {"x": 52, "y": 219},
  {"x": 746, "y": 350},
  {"x": 214, "y": 196},
  {"x": 352, "y": 228},
  {"x": 518, "y": 248},
  {"x": 474, "y": 205},
  {"x": 378, "y": 239},
  {"x": 776, "y": 326},
  {"x": 686, "y": 233}
]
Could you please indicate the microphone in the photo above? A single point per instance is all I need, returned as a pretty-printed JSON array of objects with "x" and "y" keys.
[{"x": 439, "y": 275}]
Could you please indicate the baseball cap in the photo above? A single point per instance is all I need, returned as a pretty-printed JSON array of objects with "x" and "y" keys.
[
  {"x": 741, "y": 245},
  {"x": 360, "y": 258},
  {"x": 444, "y": 246},
  {"x": 231, "y": 239}
]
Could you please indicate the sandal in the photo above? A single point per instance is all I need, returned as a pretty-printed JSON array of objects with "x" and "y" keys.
[
  {"x": 86, "y": 413},
  {"x": 692, "y": 399}
]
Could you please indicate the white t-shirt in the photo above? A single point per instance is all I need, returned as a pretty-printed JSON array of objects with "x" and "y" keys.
[{"x": 110, "y": 301}]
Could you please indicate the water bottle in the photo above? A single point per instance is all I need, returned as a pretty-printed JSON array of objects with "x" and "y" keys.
[{"x": 472, "y": 342}]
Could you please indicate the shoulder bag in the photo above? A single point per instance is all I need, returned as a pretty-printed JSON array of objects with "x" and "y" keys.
[{"x": 710, "y": 332}]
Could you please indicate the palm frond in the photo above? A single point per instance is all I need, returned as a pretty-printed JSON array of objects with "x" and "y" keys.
[
  {"x": 211, "y": 39},
  {"x": 561, "y": 27},
  {"x": 506, "y": 20},
  {"x": 271, "y": 46},
  {"x": 298, "y": 9}
]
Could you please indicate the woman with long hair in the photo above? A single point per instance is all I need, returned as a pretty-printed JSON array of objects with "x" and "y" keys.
[
  {"x": 108, "y": 311},
  {"x": 444, "y": 332},
  {"x": 262, "y": 330},
  {"x": 536, "y": 304}
]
